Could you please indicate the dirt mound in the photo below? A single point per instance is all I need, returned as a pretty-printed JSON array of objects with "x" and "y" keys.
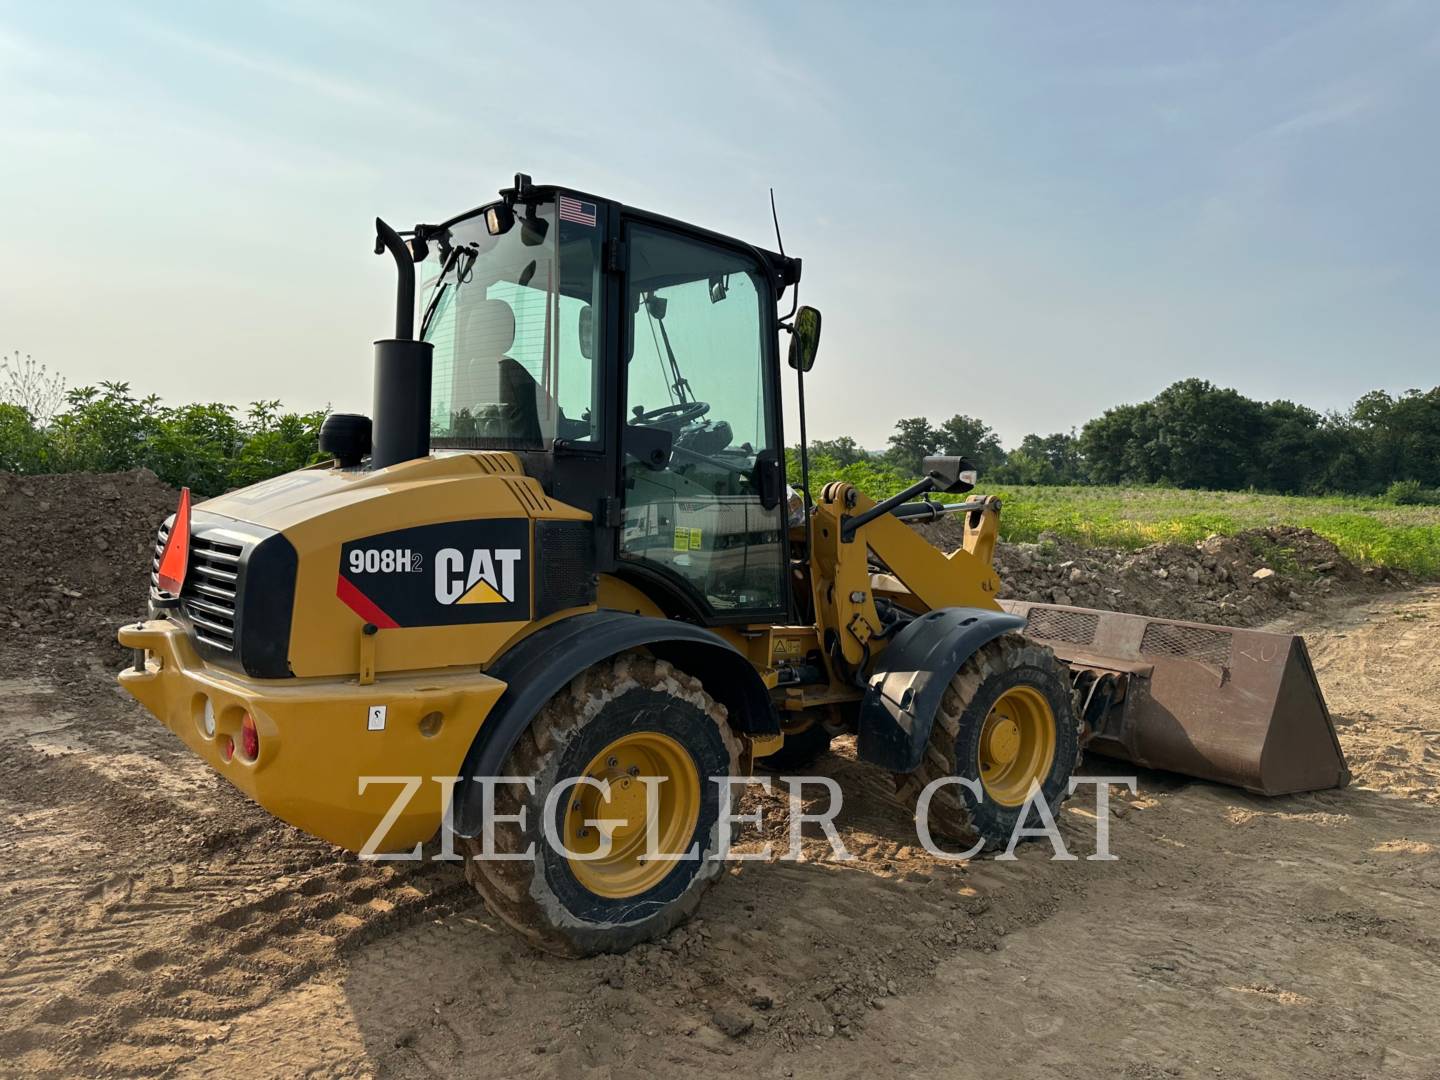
[
  {"x": 1239, "y": 580},
  {"x": 75, "y": 551}
]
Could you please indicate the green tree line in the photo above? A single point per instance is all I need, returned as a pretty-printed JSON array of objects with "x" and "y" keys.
[
  {"x": 209, "y": 448},
  {"x": 1193, "y": 434}
]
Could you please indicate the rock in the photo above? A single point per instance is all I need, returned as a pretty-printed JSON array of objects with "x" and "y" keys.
[
  {"x": 1263, "y": 574},
  {"x": 1076, "y": 575},
  {"x": 732, "y": 1022},
  {"x": 819, "y": 1017}
]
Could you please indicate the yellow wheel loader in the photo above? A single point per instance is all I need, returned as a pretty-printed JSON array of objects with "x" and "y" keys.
[{"x": 559, "y": 591}]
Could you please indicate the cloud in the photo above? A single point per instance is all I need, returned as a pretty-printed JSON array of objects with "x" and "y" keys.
[
  {"x": 310, "y": 79},
  {"x": 1338, "y": 111}
]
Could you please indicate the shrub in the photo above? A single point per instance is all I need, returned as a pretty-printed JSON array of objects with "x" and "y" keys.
[
  {"x": 1411, "y": 493},
  {"x": 203, "y": 447},
  {"x": 22, "y": 445}
]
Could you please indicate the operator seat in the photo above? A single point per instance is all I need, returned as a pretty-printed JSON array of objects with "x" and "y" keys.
[{"x": 501, "y": 395}]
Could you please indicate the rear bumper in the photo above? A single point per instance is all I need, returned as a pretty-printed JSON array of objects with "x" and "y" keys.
[{"x": 317, "y": 742}]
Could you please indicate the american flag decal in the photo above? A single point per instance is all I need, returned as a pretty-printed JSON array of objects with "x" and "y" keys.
[{"x": 582, "y": 213}]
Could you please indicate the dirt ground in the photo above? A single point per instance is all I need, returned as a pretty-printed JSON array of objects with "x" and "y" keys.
[{"x": 156, "y": 923}]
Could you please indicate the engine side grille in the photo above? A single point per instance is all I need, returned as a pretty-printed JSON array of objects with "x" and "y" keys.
[
  {"x": 238, "y": 595},
  {"x": 211, "y": 578},
  {"x": 155, "y": 563}
]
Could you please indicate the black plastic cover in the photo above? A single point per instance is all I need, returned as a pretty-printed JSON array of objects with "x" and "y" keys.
[
  {"x": 346, "y": 438},
  {"x": 538, "y": 667},
  {"x": 908, "y": 681}
]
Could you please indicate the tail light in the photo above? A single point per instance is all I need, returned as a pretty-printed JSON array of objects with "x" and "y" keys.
[
  {"x": 249, "y": 739},
  {"x": 227, "y": 748}
]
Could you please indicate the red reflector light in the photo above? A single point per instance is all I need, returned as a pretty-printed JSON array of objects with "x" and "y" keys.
[
  {"x": 249, "y": 739},
  {"x": 176, "y": 557},
  {"x": 227, "y": 748}
]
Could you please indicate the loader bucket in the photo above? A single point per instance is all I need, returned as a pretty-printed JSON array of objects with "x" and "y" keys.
[{"x": 1235, "y": 706}]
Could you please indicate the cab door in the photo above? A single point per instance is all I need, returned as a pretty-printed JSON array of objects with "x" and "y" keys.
[{"x": 705, "y": 521}]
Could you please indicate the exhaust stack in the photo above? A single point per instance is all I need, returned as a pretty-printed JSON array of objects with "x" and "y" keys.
[{"x": 402, "y": 369}]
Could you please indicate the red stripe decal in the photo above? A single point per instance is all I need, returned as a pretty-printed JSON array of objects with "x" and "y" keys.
[{"x": 362, "y": 605}]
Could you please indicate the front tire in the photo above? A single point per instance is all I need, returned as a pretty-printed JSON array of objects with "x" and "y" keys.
[
  {"x": 624, "y": 718},
  {"x": 1008, "y": 718}
]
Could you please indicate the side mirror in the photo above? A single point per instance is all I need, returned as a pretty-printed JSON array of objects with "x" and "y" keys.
[
  {"x": 804, "y": 339},
  {"x": 951, "y": 475},
  {"x": 499, "y": 219}
]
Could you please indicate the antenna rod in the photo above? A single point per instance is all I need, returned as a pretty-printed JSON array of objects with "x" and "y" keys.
[
  {"x": 776, "y": 218},
  {"x": 799, "y": 397}
]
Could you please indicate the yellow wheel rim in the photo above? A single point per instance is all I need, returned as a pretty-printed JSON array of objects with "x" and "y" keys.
[
  {"x": 1017, "y": 744},
  {"x": 624, "y": 871}
]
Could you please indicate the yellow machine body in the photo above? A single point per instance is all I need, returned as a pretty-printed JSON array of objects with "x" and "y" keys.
[{"x": 321, "y": 746}]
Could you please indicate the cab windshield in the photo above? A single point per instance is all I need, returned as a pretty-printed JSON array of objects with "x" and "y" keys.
[{"x": 514, "y": 320}]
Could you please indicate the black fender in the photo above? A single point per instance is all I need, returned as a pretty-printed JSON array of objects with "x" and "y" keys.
[
  {"x": 910, "y": 677},
  {"x": 539, "y": 666}
]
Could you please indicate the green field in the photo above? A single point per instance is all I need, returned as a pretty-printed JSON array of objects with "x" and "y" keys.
[{"x": 1368, "y": 529}]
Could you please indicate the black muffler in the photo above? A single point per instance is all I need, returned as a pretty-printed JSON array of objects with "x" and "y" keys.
[{"x": 403, "y": 365}]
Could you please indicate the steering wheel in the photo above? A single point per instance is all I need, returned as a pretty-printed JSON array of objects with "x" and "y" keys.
[{"x": 671, "y": 416}]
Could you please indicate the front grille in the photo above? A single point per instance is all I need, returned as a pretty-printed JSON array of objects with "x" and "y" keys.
[
  {"x": 1051, "y": 624},
  {"x": 208, "y": 596}
]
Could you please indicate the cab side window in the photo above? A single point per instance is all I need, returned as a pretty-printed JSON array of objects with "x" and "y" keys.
[{"x": 696, "y": 370}]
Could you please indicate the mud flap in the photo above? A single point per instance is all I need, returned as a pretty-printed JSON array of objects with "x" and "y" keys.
[
  {"x": 1235, "y": 706},
  {"x": 908, "y": 680}
]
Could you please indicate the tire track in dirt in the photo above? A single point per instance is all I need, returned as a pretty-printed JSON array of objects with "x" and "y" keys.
[
  {"x": 158, "y": 922},
  {"x": 142, "y": 911}
]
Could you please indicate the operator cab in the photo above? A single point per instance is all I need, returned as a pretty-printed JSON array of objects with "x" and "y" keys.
[{"x": 631, "y": 362}]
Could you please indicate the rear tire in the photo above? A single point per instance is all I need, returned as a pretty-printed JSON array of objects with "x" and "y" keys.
[
  {"x": 579, "y": 908},
  {"x": 1010, "y": 680}
]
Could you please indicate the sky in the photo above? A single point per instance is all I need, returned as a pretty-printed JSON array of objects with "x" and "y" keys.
[{"x": 1023, "y": 212}]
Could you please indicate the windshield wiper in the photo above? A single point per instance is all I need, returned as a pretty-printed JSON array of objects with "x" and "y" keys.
[{"x": 451, "y": 259}]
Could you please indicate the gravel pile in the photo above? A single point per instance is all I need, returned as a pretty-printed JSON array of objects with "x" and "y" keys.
[{"x": 1239, "y": 580}]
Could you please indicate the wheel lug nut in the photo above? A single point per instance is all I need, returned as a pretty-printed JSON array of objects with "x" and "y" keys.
[
  {"x": 634, "y": 770},
  {"x": 613, "y": 762},
  {"x": 575, "y": 805}
]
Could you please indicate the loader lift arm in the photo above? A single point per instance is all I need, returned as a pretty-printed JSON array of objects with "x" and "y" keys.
[
  {"x": 849, "y": 527},
  {"x": 897, "y": 638}
]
